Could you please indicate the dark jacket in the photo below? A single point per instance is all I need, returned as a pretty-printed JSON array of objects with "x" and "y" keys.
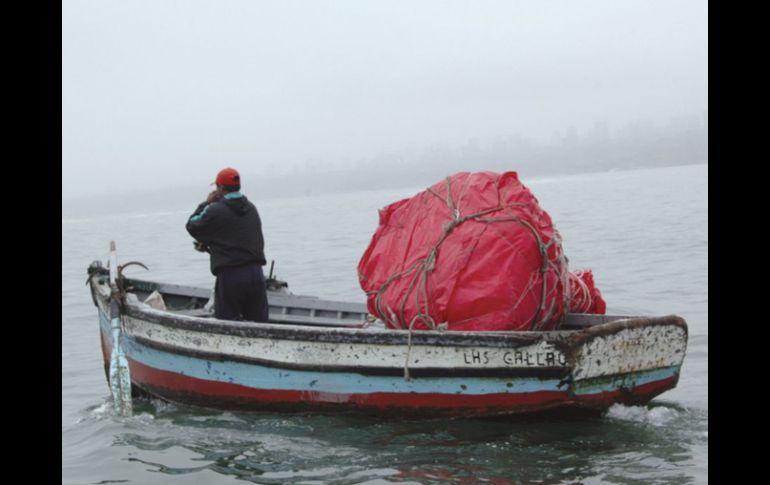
[{"x": 231, "y": 229}]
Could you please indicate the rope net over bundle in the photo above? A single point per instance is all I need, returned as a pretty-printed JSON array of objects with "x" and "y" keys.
[{"x": 473, "y": 252}]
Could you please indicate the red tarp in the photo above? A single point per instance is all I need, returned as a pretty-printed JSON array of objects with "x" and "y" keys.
[{"x": 467, "y": 253}]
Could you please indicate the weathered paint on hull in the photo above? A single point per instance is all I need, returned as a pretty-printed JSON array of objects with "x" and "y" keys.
[{"x": 249, "y": 387}]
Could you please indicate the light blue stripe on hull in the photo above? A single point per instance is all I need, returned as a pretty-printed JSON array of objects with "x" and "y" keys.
[
  {"x": 261, "y": 377},
  {"x": 627, "y": 381}
]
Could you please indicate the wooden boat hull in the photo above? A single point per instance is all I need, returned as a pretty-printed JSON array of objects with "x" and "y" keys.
[{"x": 288, "y": 368}]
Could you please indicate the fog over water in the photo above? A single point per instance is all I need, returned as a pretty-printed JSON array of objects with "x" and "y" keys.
[{"x": 160, "y": 95}]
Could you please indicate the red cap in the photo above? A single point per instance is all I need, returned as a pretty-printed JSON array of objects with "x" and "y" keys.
[{"x": 228, "y": 176}]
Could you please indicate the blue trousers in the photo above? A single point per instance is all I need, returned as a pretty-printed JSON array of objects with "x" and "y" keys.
[{"x": 240, "y": 293}]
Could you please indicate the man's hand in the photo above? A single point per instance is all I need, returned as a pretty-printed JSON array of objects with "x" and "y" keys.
[
  {"x": 199, "y": 246},
  {"x": 214, "y": 196}
]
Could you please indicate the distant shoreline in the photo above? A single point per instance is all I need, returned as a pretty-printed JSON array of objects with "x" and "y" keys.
[
  {"x": 285, "y": 187},
  {"x": 267, "y": 185}
]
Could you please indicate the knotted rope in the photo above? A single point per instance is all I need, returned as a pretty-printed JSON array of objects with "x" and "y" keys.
[{"x": 582, "y": 293}]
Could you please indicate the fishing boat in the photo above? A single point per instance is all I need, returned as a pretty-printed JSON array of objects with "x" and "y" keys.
[{"x": 324, "y": 356}]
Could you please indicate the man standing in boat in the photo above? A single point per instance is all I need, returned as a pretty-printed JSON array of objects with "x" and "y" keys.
[{"x": 228, "y": 227}]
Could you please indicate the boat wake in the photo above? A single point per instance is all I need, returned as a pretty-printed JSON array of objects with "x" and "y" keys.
[{"x": 656, "y": 416}]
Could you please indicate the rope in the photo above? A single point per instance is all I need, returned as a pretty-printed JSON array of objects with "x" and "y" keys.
[{"x": 582, "y": 291}]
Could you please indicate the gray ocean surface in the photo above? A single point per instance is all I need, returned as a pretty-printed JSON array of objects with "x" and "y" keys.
[{"x": 644, "y": 233}]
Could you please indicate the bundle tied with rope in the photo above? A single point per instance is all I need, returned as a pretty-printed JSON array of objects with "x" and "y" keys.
[{"x": 473, "y": 252}]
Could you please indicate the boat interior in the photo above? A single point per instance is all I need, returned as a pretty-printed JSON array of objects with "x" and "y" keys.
[{"x": 288, "y": 308}]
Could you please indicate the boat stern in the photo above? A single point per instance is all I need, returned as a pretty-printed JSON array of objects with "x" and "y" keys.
[{"x": 628, "y": 361}]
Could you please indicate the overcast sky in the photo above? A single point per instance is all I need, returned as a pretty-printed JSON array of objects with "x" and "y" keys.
[{"x": 165, "y": 93}]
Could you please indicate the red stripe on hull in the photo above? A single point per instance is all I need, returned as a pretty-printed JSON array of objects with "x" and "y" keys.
[
  {"x": 638, "y": 395},
  {"x": 191, "y": 390},
  {"x": 106, "y": 351},
  {"x": 222, "y": 395}
]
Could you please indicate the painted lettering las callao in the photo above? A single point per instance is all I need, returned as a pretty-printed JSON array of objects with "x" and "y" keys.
[
  {"x": 476, "y": 357},
  {"x": 517, "y": 359}
]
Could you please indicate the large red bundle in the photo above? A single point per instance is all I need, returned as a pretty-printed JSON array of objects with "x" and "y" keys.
[
  {"x": 474, "y": 252},
  {"x": 585, "y": 297}
]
